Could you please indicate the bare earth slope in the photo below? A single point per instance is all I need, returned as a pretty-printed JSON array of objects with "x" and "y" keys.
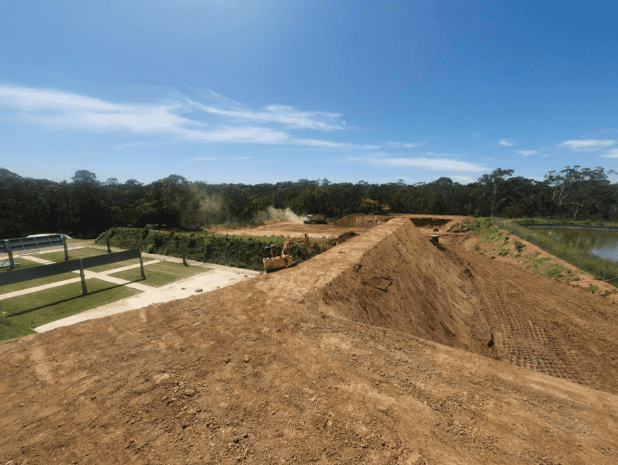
[{"x": 316, "y": 364}]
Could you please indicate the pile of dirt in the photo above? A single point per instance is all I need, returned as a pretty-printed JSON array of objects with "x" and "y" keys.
[
  {"x": 406, "y": 284},
  {"x": 328, "y": 244},
  {"x": 362, "y": 221},
  {"x": 280, "y": 370},
  {"x": 458, "y": 226}
]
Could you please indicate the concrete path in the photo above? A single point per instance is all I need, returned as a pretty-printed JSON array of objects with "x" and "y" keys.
[{"x": 201, "y": 283}]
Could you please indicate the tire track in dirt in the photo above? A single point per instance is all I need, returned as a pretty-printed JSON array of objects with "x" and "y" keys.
[
  {"x": 539, "y": 323},
  {"x": 521, "y": 340}
]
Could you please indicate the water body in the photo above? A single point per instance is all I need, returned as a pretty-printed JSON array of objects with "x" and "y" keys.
[
  {"x": 600, "y": 241},
  {"x": 567, "y": 226}
]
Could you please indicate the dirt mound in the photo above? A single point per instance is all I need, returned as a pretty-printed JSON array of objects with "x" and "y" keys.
[
  {"x": 457, "y": 225},
  {"x": 290, "y": 229},
  {"x": 362, "y": 221},
  {"x": 406, "y": 284},
  {"x": 279, "y": 370}
]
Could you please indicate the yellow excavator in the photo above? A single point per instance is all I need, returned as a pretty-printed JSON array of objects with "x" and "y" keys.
[
  {"x": 273, "y": 261},
  {"x": 377, "y": 209}
]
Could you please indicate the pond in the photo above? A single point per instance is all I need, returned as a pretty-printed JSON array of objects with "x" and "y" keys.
[{"x": 600, "y": 241}]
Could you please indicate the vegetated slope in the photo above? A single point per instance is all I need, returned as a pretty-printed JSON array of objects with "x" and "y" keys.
[
  {"x": 223, "y": 250},
  {"x": 268, "y": 371}
]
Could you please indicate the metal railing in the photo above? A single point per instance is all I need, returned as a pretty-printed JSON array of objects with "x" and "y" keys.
[{"x": 24, "y": 244}]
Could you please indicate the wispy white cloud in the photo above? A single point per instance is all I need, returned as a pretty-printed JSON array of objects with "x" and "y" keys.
[
  {"x": 586, "y": 145},
  {"x": 613, "y": 153},
  {"x": 281, "y": 114},
  {"x": 256, "y": 135},
  {"x": 526, "y": 153},
  {"x": 221, "y": 158},
  {"x": 27, "y": 97},
  {"x": 443, "y": 155},
  {"x": 182, "y": 118},
  {"x": 408, "y": 145},
  {"x": 330, "y": 144},
  {"x": 507, "y": 143},
  {"x": 436, "y": 164}
]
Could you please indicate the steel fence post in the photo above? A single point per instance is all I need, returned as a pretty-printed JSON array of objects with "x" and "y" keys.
[
  {"x": 141, "y": 265},
  {"x": 81, "y": 273},
  {"x": 10, "y": 252},
  {"x": 66, "y": 251}
]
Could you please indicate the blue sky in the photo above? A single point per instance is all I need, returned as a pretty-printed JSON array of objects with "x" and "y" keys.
[{"x": 254, "y": 91}]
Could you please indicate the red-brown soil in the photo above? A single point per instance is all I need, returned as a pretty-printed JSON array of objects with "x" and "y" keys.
[
  {"x": 354, "y": 223},
  {"x": 372, "y": 352}
]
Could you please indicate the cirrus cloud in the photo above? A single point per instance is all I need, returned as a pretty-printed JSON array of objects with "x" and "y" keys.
[
  {"x": 526, "y": 153},
  {"x": 586, "y": 145},
  {"x": 613, "y": 153},
  {"x": 182, "y": 118},
  {"x": 435, "y": 164}
]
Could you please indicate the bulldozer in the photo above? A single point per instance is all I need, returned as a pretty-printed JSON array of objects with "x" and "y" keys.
[
  {"x": 275, "y": 259},
  {"x": 376, "y": 208}
]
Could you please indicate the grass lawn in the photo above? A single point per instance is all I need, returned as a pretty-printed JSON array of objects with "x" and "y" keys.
[
  {"x": 111, "y": 266},
  {"x": 161, "y": 273},
  {"x": 79, "y": 241},
  {"x": 23, "y": 263},
  {"x": 19, "y": 315},
  {"x": 92, "y": 252},
  {"x": 73, "y": 254},
  {"x": 37, "y": 282}
]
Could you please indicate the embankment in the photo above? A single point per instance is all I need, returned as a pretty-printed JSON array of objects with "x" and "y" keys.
[
  {"x": 282, "y": 369},
  {"x": 403, "y": 282}
]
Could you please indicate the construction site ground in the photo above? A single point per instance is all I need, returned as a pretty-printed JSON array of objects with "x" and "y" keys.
[
  {"x": 384, "y": 349},
  {"x": 293, "y": 228}
]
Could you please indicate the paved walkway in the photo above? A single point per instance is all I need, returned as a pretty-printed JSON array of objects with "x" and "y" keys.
[
  {"x": 214, "y": 277},
  {"x": 187, "y": 287}
]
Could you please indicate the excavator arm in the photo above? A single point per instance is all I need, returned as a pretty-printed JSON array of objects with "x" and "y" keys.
[
  {"x": 378, "y": 207},
  {"x": 304, "y": 239},
  {"x": 369, "y": 202},
  {"x": 285, "y": 260}
]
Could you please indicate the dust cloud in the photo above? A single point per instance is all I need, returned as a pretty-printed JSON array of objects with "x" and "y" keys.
[
  {"x": 277, "y": 214},
  {"x": 204, "y": 209}
]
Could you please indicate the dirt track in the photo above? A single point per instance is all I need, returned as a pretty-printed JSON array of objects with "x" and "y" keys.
[
  {"x": 355, "y": 223},
  {"x": 342, "y": 359}
]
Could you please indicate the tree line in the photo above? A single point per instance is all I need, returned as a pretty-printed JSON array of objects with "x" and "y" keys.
[{"x": 86, "y": 206}]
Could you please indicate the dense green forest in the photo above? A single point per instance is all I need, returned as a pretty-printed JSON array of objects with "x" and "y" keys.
[{"x": 86, "y": 206}]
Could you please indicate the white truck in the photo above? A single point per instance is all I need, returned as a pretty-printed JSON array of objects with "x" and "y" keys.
[{"x": 314, "y": 219}]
